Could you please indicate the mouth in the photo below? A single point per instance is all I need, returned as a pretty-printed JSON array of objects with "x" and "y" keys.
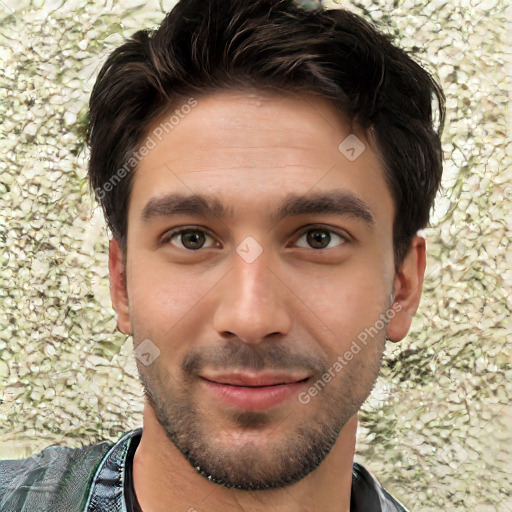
[
  {"x": 253, "y": 391},
  {"x": 254, "y": 380}
]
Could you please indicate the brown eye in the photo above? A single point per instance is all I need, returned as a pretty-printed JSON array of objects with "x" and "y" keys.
[
  {"x": 190, "y": 239},
  {"x": 320, "y": 238}
]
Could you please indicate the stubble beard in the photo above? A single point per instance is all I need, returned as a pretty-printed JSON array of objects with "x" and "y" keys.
[{"x": 283, "y": 454}]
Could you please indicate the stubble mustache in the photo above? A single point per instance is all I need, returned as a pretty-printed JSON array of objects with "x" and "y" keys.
[{"x": 239, "y": 356}]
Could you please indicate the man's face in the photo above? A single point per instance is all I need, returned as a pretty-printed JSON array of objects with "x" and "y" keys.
[{"x": 254, "y": 289}]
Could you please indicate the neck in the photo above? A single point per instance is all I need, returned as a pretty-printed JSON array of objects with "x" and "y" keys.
[{"x": 164, "y": 480}]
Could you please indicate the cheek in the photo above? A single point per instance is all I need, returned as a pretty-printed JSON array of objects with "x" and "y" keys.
[
  {"x": 164, "y": 301},
  {"x": 345, "y": 304}
]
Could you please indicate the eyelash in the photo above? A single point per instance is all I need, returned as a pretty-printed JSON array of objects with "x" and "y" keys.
[
  {"x": 344, "y": 237},
  {"x": 172, "y": 234}
]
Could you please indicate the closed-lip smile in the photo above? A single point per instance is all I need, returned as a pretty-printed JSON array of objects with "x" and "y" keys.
[
  {"x": 254, "y": 380},
  {"x": 253, "y": 391}
]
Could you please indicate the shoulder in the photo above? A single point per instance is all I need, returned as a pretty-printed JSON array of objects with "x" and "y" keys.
[
  {"x": 57, "y": 478},
  {"x": 368, "y": 494}
]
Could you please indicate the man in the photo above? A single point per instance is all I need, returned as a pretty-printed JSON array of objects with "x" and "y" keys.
[{"x": 264, "y": 170}]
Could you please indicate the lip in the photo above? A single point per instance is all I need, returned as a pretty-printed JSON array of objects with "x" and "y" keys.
[
  {"x": 253, "y": 391},
  {"x": 254, "y": 379}
]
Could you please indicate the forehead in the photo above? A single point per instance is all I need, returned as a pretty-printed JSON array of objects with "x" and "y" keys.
[
  {"x": 248, "y": 118},
  {"x": 254, "y": 146}
]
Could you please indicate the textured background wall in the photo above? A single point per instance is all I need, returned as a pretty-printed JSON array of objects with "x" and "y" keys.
[{"x": 437, "y": 429}]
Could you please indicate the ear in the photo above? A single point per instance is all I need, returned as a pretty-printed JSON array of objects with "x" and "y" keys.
[
  {"x": 118, "y": 291},
  {"x": 407, "y": 287}
]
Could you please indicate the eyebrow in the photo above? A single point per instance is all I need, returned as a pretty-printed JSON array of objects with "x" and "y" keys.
[
  {"x": 176, "y": 204},
  {"x": 333, "y": 202}
]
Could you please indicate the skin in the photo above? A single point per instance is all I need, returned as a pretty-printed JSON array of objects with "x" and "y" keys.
[{"x": 295, "y": 307}]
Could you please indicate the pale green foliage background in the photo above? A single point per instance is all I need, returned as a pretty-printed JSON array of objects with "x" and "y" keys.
[{"x": 437, "y": 429}]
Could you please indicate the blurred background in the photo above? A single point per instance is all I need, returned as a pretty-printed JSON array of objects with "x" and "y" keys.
[{"x": 437, "y": 430}]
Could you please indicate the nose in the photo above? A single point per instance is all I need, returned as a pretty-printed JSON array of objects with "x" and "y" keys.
[{"x": 251, "y": 303}]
